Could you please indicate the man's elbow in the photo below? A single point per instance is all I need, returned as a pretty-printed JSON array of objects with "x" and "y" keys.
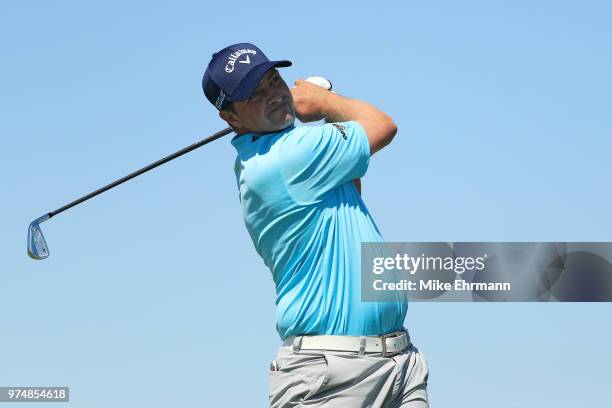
[
  {"x": 390, "y": 131},
  {"x": 380, "y": 132}
]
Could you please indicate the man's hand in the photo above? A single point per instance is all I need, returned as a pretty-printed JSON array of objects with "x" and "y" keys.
[{"x": 309, "y": 101}]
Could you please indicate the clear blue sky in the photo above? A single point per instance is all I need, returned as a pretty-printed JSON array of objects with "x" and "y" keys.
[{"x": 154, "y": 296}]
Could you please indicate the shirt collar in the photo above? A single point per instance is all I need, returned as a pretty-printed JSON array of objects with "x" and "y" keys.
[{"x": 243, "y": 140}]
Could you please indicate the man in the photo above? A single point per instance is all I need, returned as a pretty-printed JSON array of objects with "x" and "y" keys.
[{"x": 301, "y": 205}]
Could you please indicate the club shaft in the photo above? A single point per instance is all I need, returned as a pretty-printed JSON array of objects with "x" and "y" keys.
[{"x": 143, "y": 170}]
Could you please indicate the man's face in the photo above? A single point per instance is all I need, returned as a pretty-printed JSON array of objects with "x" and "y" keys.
[{"x": 269, "y": 109}]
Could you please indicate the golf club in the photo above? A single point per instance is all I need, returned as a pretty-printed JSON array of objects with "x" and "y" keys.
[{"x": 37, "y": 245}]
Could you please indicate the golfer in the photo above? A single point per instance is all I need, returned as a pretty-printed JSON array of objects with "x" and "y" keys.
[{"x": 299, "y": 187}]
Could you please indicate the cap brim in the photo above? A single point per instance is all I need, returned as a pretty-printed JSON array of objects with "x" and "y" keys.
[{"x": 248, "y": 85}]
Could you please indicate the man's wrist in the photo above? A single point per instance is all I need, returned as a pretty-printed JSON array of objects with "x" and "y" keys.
[{"x": 329, "y": 106}]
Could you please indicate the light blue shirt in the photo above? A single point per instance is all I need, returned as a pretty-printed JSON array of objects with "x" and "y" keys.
[{"x": 307, "y": 222}]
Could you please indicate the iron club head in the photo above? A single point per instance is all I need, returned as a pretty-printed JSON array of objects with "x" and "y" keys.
[{"x": 37, "y": 246}]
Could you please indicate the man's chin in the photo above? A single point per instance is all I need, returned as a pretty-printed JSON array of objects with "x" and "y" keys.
[
  {"x": 289, "y": 121},
  {"x": 279, "y": 124}
]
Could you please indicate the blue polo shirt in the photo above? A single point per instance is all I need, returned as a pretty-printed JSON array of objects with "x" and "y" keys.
[{"x": 307, "y": 222}]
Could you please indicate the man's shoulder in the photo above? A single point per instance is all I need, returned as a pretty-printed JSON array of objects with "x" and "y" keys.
[
  {"x": 318, "y": 136},
  {"x": 308, "y": 133},
  {"x": 301, "y": 130},
  {"x": 303, "y": 138}
]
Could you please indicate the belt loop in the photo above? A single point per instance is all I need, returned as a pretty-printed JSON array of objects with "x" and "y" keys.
[
  {"x": 362, "y": 346},
  {"x": 408, "y": 342},
  {"x": 297, "y": 344}
]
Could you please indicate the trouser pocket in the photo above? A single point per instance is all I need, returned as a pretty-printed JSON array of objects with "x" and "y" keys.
[{"x": 295, "y": 378}]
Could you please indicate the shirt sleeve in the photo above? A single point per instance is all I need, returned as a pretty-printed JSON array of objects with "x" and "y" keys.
[{"x": 321, "y": 158}]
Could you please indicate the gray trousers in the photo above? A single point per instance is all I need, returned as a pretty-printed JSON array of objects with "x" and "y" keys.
[{"x": 321, "y": 378}]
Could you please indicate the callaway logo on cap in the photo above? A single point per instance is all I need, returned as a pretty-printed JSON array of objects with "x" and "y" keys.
[{"x": 234, "y": 72}]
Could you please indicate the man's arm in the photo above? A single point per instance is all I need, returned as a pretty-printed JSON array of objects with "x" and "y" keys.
[
  {"x": 379, "y": 127},
  {"x": 313, "y": 102}
]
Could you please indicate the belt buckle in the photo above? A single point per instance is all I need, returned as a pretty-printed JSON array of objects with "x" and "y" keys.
[{"x": 383, "y": 340}]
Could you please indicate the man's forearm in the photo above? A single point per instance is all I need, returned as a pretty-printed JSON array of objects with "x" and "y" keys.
[
  {"x": 338, "y": 108},
  {"x": 379, "y": 126}
]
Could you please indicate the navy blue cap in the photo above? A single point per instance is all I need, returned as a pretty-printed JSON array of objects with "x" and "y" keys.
[{"x": 234, "y": 72}]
